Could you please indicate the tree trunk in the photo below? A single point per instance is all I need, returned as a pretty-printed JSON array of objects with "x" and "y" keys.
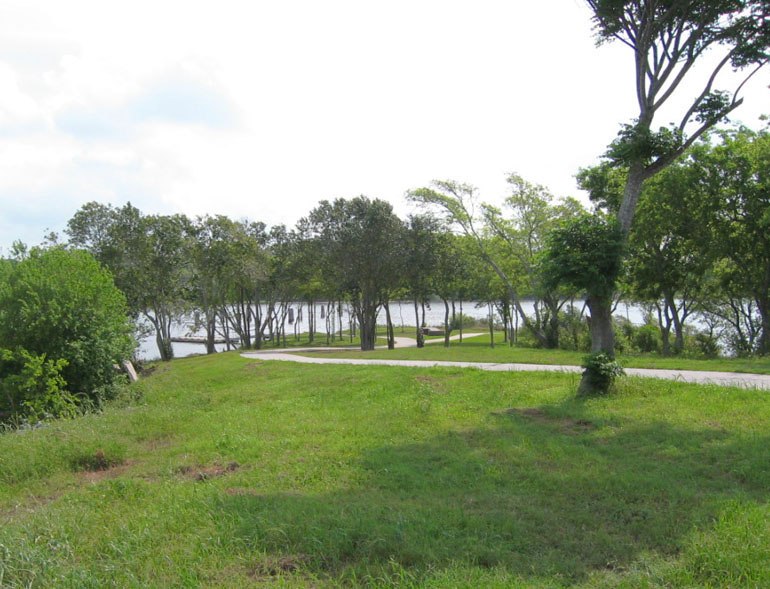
[
  {"x": 211, "y": 332},
  {"x": 419, "y": 334},
  {"x": 602, "y": 336},
  {"x": 461, "y": 321},
  {"x": 552, "y": 333},
  {"x": 446, "y": 323},
  {"x": 391, "y": 335},
  {"x": 491, "y": 326},
  {"x": 311, "y": 320},
  {"x": 763, "y": 345},
  {"x": 366, "y": 312}
]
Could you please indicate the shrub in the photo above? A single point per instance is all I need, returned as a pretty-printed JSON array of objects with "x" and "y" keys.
[
  {"x": 467, "y": 322},
  {"x": 600, "y": 372},
  {"x": 32, "y": 388},
  {"x": 646, "y": 338},
  {"x": 60, "y": 304},
  {"x": 706, "y": 345}
]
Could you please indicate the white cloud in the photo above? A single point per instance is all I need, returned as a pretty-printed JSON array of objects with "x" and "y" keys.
[{"x": 260, "y": 109}]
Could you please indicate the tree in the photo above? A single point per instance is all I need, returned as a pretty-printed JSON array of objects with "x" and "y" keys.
[
  {"x": 532, "y": 216},
  {"x": 422, "y": 235},
  {"x": 668, "y": 38},
  {"x": 147, "y": 255},
  {"x": 61, "y": 305},
  {"x": 457, "y": 202},
  {"x": 666, "y": 264},
  {"x": 735, "y": 188},
  {"x": 585, "y": 253},
  {"x": 359, "y": 240}
]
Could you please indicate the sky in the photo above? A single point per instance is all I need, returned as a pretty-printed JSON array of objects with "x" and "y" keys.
[{"x": 261, "y": 109}]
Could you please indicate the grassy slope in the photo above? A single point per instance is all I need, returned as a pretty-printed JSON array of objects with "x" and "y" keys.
[
  {"x": 477, "y": 349},
  {"x": 369, "y": 475}
]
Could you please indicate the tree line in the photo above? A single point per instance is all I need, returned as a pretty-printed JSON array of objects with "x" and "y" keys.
[{"x": 699, "y": 248}]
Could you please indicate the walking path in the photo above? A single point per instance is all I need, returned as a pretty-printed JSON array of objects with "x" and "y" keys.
[{"x": 736, "y": 379}]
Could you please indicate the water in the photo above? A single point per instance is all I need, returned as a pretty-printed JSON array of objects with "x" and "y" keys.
[{"x": 402, "y": 314}]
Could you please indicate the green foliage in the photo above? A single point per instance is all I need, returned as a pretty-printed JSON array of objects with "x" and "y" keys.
[
  {"x": 32, "y": 387},
  {"x": 585, "y": 253},
  {"x": 361, "y": 248},
  {"x": 462, "y": 319},
  {"x": 706, "y": 345},
  {"x": 61, "y": 305},
  {"x": 639, "y": 143},
  {"x": 601, "y": 371}
]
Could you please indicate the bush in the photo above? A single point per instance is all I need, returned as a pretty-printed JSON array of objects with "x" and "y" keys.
[
  {"x": 600, "y": 372},
  {"x": 706, "y": 345},
  {"x": 61, "y": 305},
  {"x": 467, "y": 322},
  {"x": 646, "y": 338},
  {"x": 32, "y": 388}
]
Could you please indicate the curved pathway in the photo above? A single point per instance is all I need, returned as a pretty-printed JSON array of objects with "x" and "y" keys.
[{"x": 736, "y": 379}]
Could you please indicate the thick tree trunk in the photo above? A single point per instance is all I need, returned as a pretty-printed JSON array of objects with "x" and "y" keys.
[
  {"x": 366, "y": 312},
  {"x": 211, "y": 333},
  {"x": 602, "y": 332},
  {"x": 602, "y": 336},
  {"x": 552, "y": 332}
]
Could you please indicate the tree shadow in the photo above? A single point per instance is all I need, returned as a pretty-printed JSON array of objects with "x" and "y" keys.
[{"x": 538, "y": 492}]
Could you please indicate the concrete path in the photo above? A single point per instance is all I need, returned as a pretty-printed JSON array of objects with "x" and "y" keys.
[{"x": 736, "y": 379}]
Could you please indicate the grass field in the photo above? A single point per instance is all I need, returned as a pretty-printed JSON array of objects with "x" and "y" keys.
[
  {"x": 477, "y": 349},
  {"x": 230, "y": 472}
]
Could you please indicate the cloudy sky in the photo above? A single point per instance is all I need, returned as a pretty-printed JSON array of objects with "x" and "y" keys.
[{"x": 261, "y": 109}]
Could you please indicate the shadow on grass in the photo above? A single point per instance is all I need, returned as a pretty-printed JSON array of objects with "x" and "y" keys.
[{"x": 536, "y": 494}]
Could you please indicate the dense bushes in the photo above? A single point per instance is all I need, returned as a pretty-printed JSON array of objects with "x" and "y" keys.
[{"x": 63, "y": 326}]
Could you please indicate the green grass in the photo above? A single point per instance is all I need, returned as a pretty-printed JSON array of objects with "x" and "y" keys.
[
  {"x": 477, "y": 349},
  {"x": 238, "y": 473}
]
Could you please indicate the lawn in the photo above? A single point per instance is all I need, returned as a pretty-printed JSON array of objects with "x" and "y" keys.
[
  {"x": 231, "y": 472},
  {"x": 477, "y": 349}
]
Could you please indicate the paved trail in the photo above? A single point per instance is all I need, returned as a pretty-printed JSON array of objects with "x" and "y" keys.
[{"x": 737, "y": 379}]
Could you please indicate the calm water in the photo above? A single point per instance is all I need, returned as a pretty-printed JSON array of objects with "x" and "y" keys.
[{"x": 402, "y": 313}]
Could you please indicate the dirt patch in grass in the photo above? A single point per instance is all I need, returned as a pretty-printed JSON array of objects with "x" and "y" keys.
[
  {"x": 254, "y": 365},
  {"x": 244, "y": 492},
  {"x": 96, "y": 461},
  {"x": 31, "y": 504},
  {"x": 212, "y": 471},
  {"x": 111, "y": 472},
  {"x": 272, "y": 567},
  {"x": 566, "y": 425}
]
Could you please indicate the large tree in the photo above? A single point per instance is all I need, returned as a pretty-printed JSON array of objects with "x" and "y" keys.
[
  {"x": 148, "y": 256},
  {"x": 359, "y": 240},
  {"x": 669, "y": 38}
]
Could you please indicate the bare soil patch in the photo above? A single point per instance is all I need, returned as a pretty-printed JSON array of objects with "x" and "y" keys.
[
  {"x": 212, "y": 471},
  {"x": 283, "y": 564},
  {"x": 111, "y": 472}
]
